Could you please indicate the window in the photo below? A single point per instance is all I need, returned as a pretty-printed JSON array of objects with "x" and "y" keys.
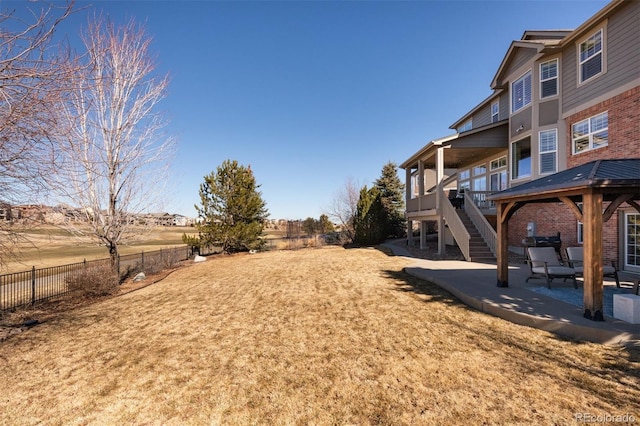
[
  {"x": 521, "y": 92},
  {"x": 548, "y": 148},
  {"x": 521, "y": 159},
  {"x": 498, "y": 180},
  {"x": 467, "y": 125},
  {"x": 591, "y": 133},
  {"x": 590, "y": 54},
  {"x": 499, "y": 163},
  {"x": 480, "y": 184},
  {"x": 549, "y": 79},
  {"x": 632, "y": 242},
  {"x": 480, "y": 179},
  {"x": 479, "y": 169},
  {"x": 580, "y": 227},
  {"x": 463, "y": 179},
  {"x": 495, "y": 112}
]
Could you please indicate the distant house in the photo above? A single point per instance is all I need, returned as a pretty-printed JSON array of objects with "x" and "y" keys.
[
  {"x": 559, "y": 99},
  {"x": 5, "y": 212},
  {"x": 179, "y": 220}
]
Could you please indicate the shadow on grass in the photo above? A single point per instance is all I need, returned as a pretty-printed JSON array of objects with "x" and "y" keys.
[{"x": 619, "y": 364}]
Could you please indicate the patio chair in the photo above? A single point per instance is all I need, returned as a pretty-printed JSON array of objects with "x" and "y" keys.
[
  {"x": 544, "y": 263},
  {"x": 575, "y": 258}
]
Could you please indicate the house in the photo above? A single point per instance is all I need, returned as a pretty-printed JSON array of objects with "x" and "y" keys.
[{"x": 560, "y": 100}]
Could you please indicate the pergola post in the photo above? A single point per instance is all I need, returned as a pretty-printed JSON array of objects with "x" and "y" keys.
[
  {"x": 503, "y": 245},
  {"x": 592, "y": 246}
]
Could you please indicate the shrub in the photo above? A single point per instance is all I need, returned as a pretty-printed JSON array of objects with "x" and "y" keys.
[{"x": 93, "y": 281}]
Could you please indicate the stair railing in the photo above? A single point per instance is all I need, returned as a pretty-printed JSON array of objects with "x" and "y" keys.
[
  {"x": 482, "y": 225},
  {"x": 455, "y": 225}
]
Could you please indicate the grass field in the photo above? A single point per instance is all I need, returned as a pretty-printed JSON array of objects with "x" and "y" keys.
[
  {"x": 325, "y": 336},
  {"x": 48, "y": 245}
]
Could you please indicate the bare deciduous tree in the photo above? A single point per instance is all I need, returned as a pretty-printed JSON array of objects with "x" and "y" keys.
[
  {"x": 343, "y": 205},
  {"x": 114, "y": 155},
  {"x": 32, "y": 81}
]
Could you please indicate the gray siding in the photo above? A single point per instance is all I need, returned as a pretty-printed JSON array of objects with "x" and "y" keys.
[
  {"x": 548, "y": 112},
  {"x": 524, "y": 118},
  {"x": 622, "y": 39},
  {"x": 504, "y": 105},
  {"x": 520, "y": 58},
  {"x": 482, "y": 117}
]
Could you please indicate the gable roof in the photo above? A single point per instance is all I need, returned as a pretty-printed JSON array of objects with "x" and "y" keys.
[{"x": 550, "y": 40}]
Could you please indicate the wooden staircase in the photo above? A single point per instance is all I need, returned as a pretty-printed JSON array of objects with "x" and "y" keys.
[{"x": 478, "y": 249}]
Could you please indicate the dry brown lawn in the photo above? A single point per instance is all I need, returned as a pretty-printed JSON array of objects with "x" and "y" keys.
[{"x": 324, "y": 336}]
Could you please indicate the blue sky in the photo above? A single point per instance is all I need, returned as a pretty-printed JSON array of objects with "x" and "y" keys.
[{"x": 310, "y": 93}]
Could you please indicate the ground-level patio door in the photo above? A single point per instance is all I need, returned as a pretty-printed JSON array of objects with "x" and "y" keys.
[{"x": 632, "y": 242}]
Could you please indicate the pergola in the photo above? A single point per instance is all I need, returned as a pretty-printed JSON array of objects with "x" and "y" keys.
[{"x": 613, "y": 181}]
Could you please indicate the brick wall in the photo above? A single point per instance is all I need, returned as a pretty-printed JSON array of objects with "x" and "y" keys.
[
  {"x": 624, "y": 142},
  {"x": 551, "y": 218},
  {"x": 624, "y": 129}
]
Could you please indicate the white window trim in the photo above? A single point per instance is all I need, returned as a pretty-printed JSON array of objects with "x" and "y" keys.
[
  {"x": 512, "y": 168},
  {"x": 603, "y": 57},
  {"x": 522, "y": 77},
  {"x": 590, "y": 134},
  {"x": 498, "y": 159},
  {"x": 497, "y": 102},
  {"x": 557, "y": 78},
  {"x": 579, "y": 228},
  {"x": 547, "y": 152}
]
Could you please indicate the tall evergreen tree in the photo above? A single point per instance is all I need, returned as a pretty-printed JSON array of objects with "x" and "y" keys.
[
  {"x": 233, "y": 211},
  {"x": 369, "y": 221},
  {"x": 392, "y": 195}
]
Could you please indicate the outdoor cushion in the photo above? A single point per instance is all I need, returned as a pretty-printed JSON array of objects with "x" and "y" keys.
[
  {"x": 555, "y": 270},
  {"x": 575, "y": 256},
  {"x": 544, "y": 263},
  {"x": 606, "y": 270}
]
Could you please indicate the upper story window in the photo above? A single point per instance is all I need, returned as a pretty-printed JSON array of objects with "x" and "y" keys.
[
  {"x": 498, "y": 163},
  {"x": 591, "y": 133},
  {"x": 549, "y": 78},
  {"x": 521, "y": 92},
  {"x": 495, "y": 111},
  {"x": 467, "y": 125},
  {"x": 548, "y": 148},
  {"x": 590, "y": 52}
]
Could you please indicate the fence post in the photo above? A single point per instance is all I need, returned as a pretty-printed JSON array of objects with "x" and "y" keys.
[
  {"x": 142, "y": 260},
  {"x": 33, "y": 285}
]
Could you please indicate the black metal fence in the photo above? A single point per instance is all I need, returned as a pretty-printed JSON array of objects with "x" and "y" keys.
[{"x": 37, "y": 285}]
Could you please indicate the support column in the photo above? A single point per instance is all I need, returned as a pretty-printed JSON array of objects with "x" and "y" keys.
[
  {"x": 423, "y": 235},
  {"x": 442, "y": 236},
  {"x": 408, "y": 194},
  {"x": 592, "y": 247},
  {"x": 420, "y": 183},
  {"x": 439, "y": 194},
  {"x": 503, "y": 245}
]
